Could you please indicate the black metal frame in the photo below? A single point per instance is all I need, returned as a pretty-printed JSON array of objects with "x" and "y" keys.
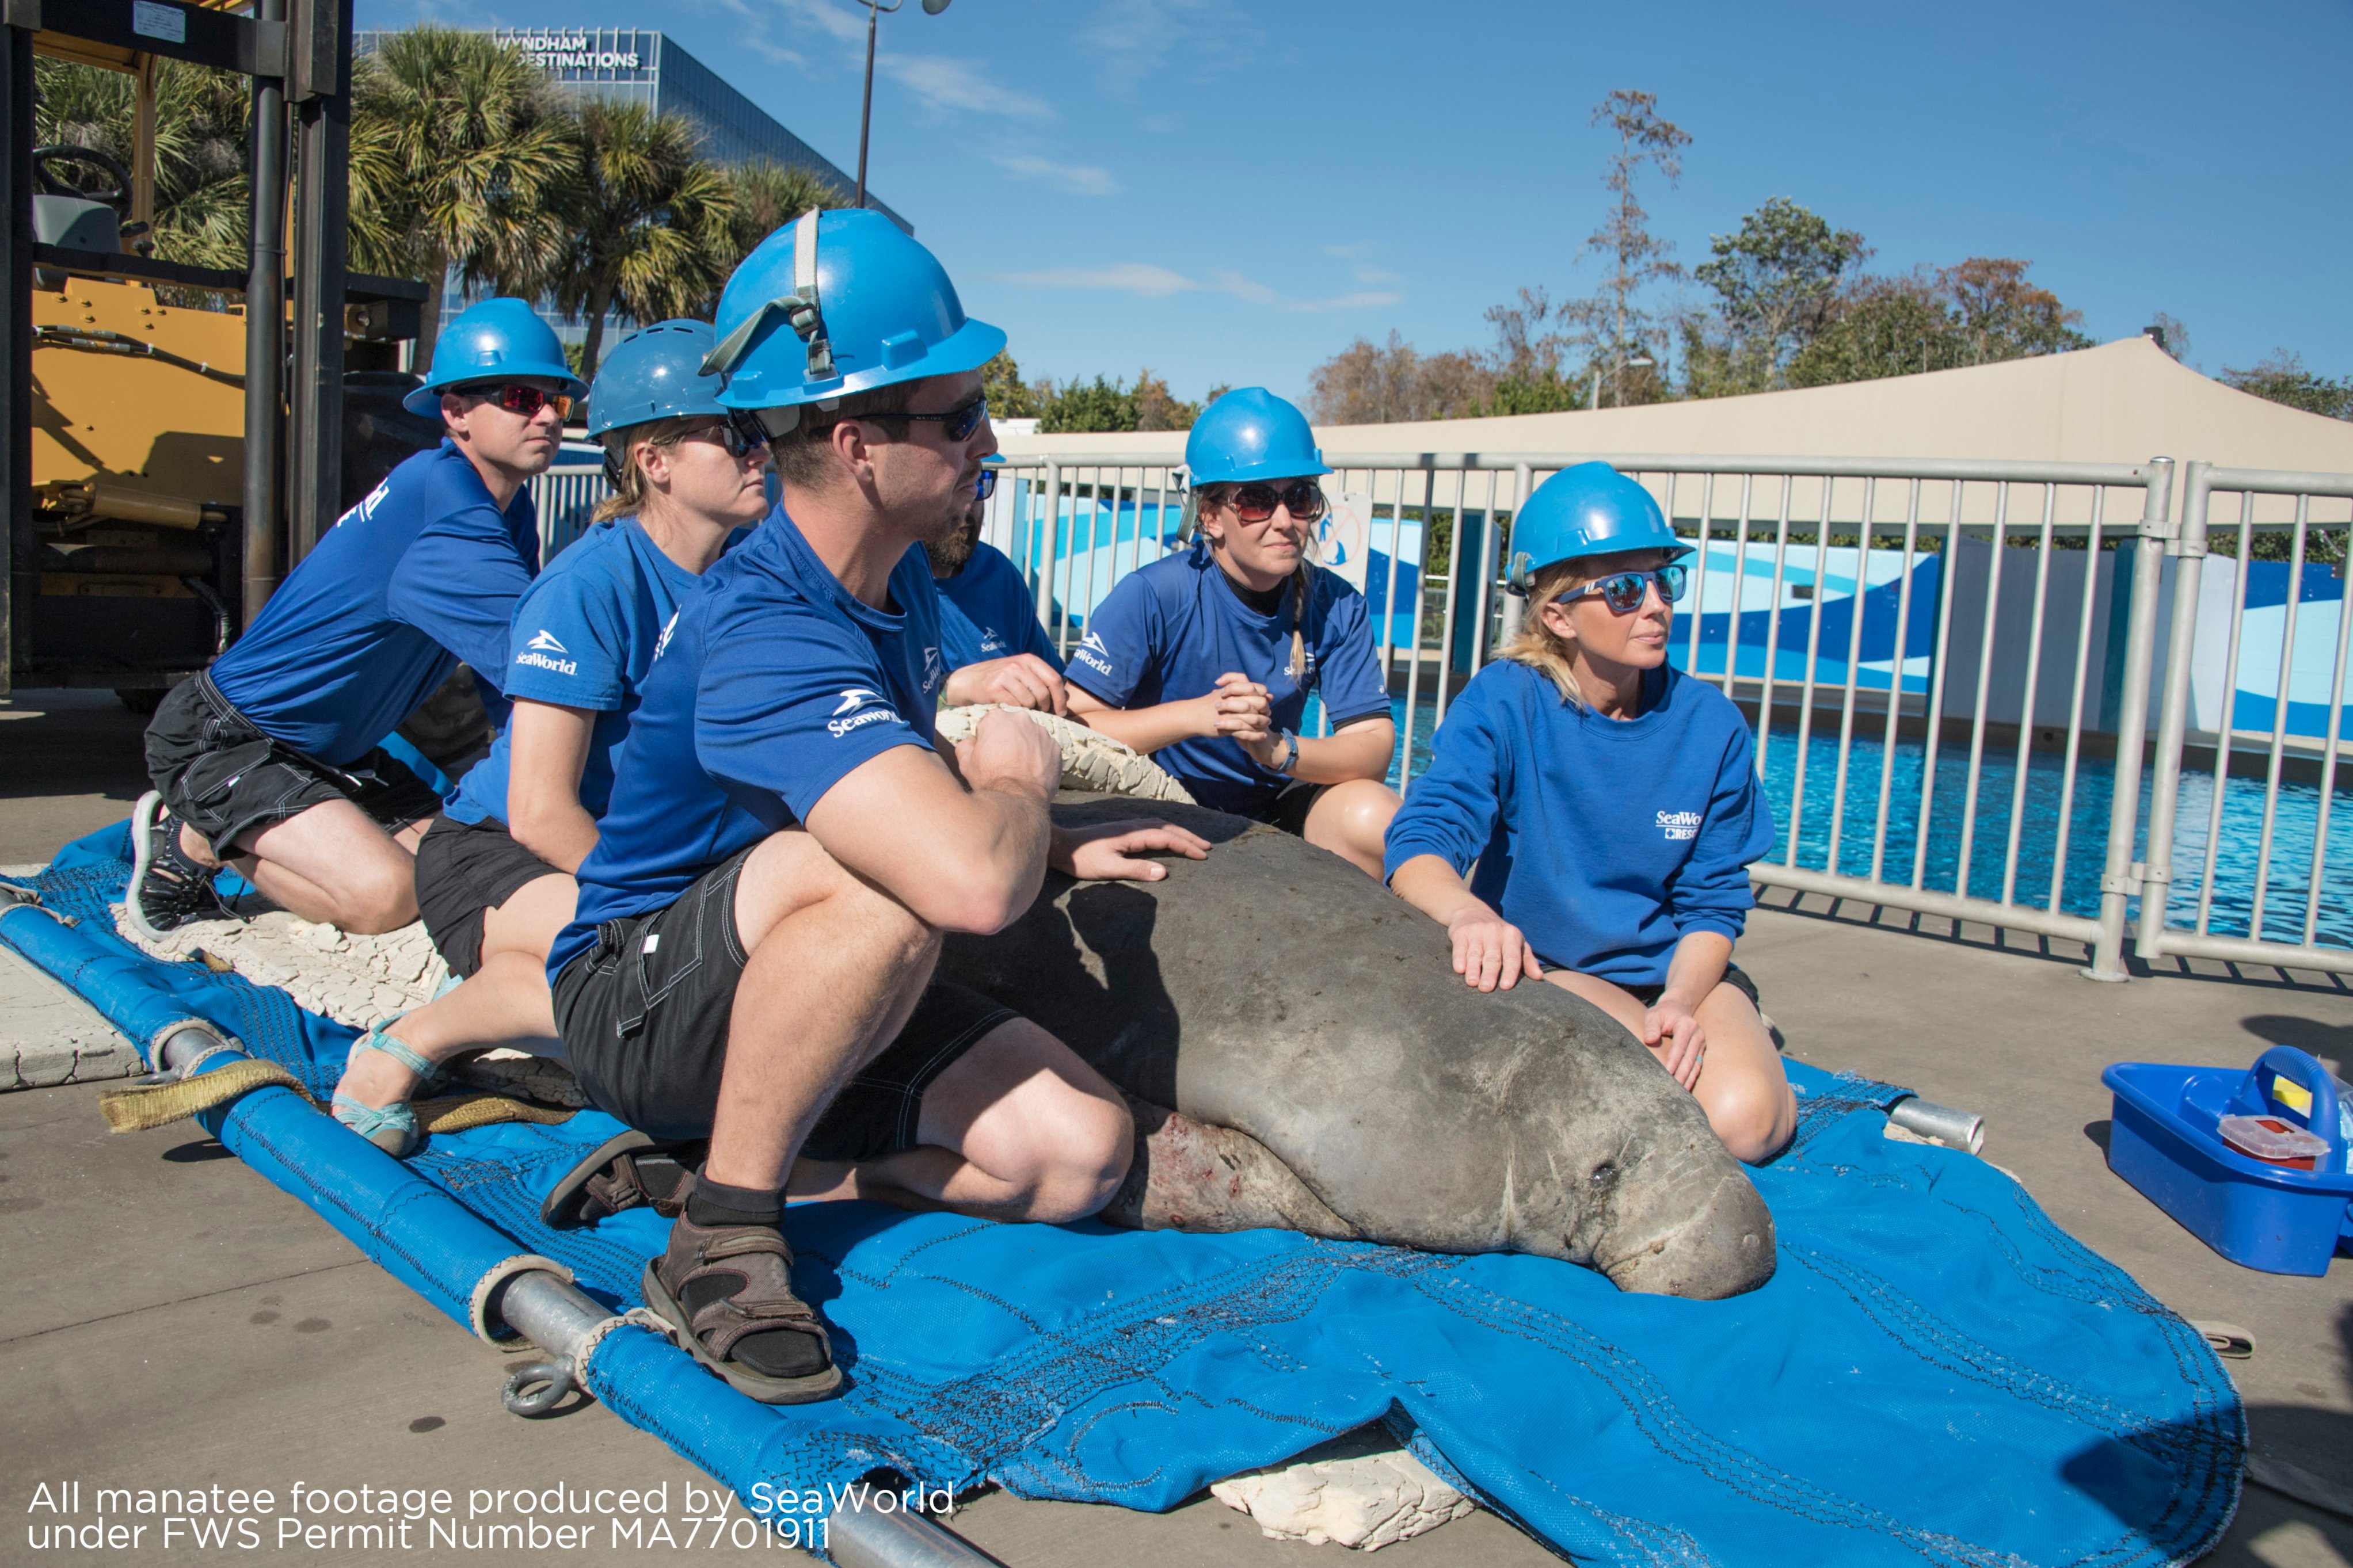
[{"x": 298, "y": 52}]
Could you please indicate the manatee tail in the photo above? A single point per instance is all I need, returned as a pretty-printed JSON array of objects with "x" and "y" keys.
[{"x": 1190, "y": 1175}]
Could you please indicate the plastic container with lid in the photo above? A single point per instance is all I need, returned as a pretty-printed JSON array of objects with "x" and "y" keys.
[
  {"x": 2273, "y": 1141},
  {"x": 2168, "y": 1140}
]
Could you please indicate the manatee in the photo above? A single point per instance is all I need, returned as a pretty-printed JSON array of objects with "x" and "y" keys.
[{"x": 1331, "y": 1074}]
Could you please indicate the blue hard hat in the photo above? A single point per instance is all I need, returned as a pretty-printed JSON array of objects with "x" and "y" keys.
[
  {"x": 655, "y": 372},
  {"x": 498, "y": 339},
  {"x": 1589, "y": 510},
  {"x": 835, "y": 303},
  {"x": 1251, "y": 434}
]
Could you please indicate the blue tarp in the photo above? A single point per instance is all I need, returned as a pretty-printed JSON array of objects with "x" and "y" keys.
[{"x": 1937, "y": 1372}]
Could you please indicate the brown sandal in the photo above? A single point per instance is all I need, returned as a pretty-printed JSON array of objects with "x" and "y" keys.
[
  {"x": 723, "y": 1285},
  {"x": 631, "y": 1171}
]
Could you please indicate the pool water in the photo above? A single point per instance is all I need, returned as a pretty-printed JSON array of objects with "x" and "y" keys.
[{"x": 2295, "y": 819}]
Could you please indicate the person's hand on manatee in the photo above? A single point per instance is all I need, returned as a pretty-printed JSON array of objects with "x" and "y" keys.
[{"x": 1110, "y": 851}]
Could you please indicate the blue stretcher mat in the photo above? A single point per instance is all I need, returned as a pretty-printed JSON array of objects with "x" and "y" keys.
[{"x": 1937, "y": 1372}]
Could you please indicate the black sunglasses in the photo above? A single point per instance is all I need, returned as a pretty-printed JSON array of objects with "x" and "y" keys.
[
  {"x": 739, "y": 433},
  {"x": 521, "y": 397},
  {"x": 1256, "y": 502},
  {"x": 956, "y": 424},
  {"x": 1622, "y": 592}
]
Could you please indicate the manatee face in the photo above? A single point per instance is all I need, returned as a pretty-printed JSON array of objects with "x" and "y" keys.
[{"x": 1275, "y": 990}]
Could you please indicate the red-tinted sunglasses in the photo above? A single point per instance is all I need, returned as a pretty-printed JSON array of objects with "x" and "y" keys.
[{"x": 521, "y": 397}]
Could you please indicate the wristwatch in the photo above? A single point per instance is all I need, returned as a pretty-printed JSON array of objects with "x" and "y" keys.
[{"x": 1290, "y": 751}]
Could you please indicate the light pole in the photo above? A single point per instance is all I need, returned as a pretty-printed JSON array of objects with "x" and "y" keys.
[{"x": 874, "y": 9}]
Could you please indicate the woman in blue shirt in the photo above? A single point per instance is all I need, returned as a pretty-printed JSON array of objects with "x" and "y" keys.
[
  {"x": 1204, "y": 659},
  {"x": 1609, "y": 804},
  {"x": 494, "y": 872}
]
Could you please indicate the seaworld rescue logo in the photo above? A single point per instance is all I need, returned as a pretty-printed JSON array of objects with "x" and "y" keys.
[
  {"x": 1679, "y": 824},
  {"x": 1092, "y": 653},
  {"x": 853, "y": 703},
  {"x": 539, "y": 654}
]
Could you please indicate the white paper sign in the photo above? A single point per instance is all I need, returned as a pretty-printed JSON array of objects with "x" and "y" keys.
[
  {"x": 1344, "y": 538},
  {"x": 150, "y": 20}
]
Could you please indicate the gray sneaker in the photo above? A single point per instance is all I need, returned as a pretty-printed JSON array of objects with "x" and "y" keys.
[{"x": 167, "y": 888}]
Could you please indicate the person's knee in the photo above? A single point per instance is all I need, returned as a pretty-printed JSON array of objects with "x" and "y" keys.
[
  {"x": 1091, "y": 1141},
  {"x": 1754, "y": 1121},
  {"x": 380, "y": 895},
  {"x": 791, "y": 875}
]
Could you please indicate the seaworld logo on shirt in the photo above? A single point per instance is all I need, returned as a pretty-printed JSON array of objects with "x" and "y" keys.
[
  {"x": 1091, "y": 652},
  {"x": 990, "y": 641},
  {"x": 933, "y": 672},
  {"x": 1679, "y": 824},
  {"x": 662, "y": 641},
  {"x": 856, "y": 698},
  {"x": 536, "y": 653},
  {"x": 367, "y": 508}
]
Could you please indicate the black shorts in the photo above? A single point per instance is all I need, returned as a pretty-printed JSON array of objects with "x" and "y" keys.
[
  {"x": 464, "y": 870},
  {"x": 644, "y": 1019},
  {"x": 1289, "y": 810},
  {"x": 1733, "y": 977},
  {"x": 225, "y": 778}
]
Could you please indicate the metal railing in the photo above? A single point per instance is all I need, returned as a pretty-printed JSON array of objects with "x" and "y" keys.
[
  {"x": 1950, "y": 666},
  {"x": 565, "y": 497},
  {"x": 1992, "y": 663},
  {"x": 2226, "y": 630}
]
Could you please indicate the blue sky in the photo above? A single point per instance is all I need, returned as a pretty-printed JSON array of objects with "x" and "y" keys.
[{"x": 1231, "y": 192}]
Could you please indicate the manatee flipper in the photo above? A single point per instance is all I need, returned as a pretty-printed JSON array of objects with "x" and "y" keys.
[{"x": 1190, "y": 1175}]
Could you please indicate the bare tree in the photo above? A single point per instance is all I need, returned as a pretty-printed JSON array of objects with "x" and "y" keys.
[
  {"x": 1369, "y": 383},
  {"x": 1637, "y": 256}
]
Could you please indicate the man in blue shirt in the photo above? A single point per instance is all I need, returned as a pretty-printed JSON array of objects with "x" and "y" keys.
[
  {"x": 269, "y": 761},
  {"x": 493, "y": 872},
  {"x": 751, "y": 955},
  {"x": 995, "y": 650}
]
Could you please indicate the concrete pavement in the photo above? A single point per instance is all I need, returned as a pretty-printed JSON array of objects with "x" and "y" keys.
[{"x": 168, "y": 1318}]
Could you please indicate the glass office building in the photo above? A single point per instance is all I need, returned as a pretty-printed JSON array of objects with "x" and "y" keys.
[{"x": 647, "y": 68}]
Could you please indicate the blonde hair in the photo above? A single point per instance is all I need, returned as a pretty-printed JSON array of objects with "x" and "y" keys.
[
  {"x": 1540, "y": 647},
  {"x": 621, "y": 470},
  {"x": 1303, "y": 580}
]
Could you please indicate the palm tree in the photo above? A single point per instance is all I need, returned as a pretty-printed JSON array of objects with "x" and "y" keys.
[
  {"x": 769, "y": 196},
  {"x": 201, "y": 133},
  {"x": 461, "y": 152},
  {"x": 650, "y": 220}
]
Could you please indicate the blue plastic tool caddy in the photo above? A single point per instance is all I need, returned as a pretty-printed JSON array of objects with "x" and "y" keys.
[{"x": 2272, "y": 1217}]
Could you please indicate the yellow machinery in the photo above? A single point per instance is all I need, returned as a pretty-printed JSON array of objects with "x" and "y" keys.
[{"x": 137, "y": 549}]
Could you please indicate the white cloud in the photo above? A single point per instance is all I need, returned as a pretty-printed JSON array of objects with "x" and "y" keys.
[
  {"x": 1078, "y": 179},
  {"x": 1126, "y": 277},
  {"x": 1375, "y": 275},
  {"x": 840, "y": 21},
  {"x": 753, "y": 34},
  {"x": 945, "y": 83},
  {"x": 1141, "y": 35},
  {"x": 1147, "y": 281}
]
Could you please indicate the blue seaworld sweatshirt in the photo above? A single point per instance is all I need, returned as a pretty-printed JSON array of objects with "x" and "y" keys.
[{"x": 1604, "y": 840}]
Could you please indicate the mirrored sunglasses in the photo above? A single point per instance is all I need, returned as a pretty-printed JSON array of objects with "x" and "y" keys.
[
  {"x": 986, "y": 486},
  {"x": 1622, "y": 592},
  {"x": 520, "y": 397},
  {"x": 1256, "y": 502}
]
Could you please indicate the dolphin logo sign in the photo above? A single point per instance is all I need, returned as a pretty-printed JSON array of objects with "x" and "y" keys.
[
  {"x": 544, "y": 642},
  {"x": 852, "y": 697}
]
